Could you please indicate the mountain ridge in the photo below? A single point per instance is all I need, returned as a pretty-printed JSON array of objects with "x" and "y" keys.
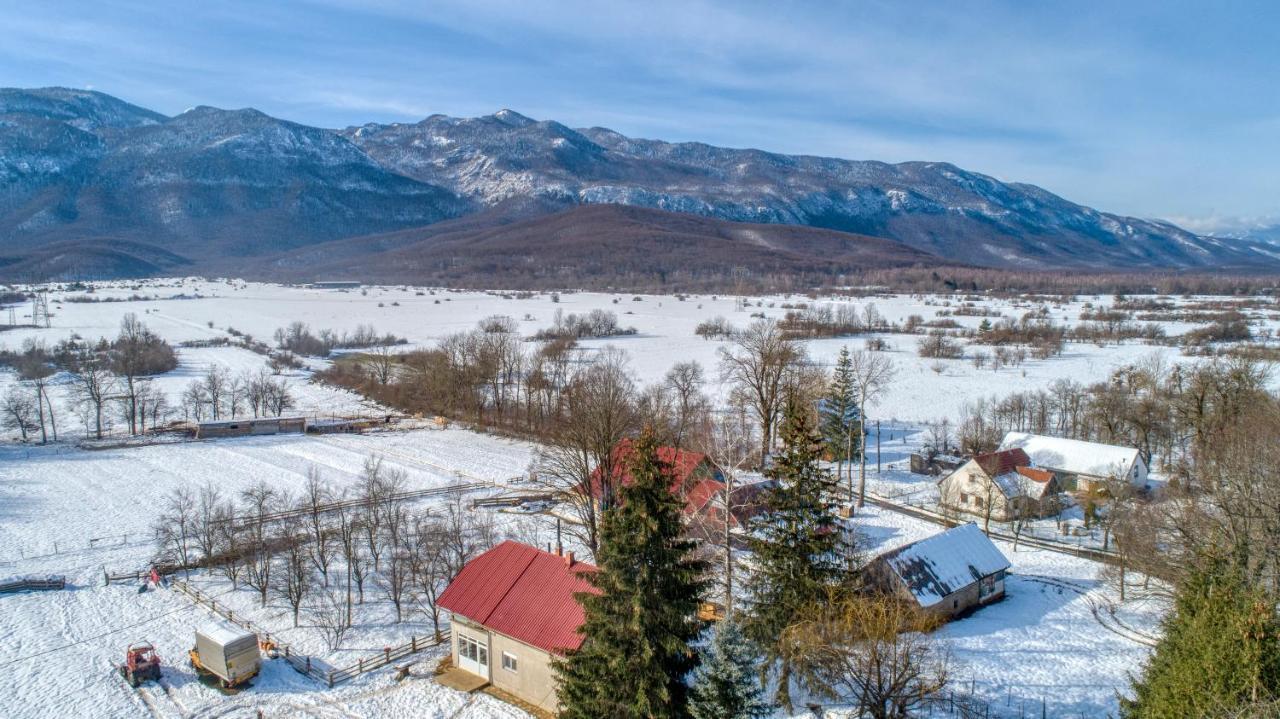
[{"x": 217, "y": 187}]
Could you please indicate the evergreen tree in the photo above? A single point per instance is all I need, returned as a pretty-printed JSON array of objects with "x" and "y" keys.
[
  {"x": 725, "y": 687},
  {"x": 1220, "y": 652},
  {"x": 838, "y": 412},
  {"x": 636, "y": 652},
  {"x": 984, "y": 326},
  {"x": 797, "y": 544}
]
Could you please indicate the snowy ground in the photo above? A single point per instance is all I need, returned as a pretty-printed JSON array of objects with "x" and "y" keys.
[
  {"x": 73, "y": 511},
  {"x": 925, "y": 389},
  {"x": 1043, "y": 642}
]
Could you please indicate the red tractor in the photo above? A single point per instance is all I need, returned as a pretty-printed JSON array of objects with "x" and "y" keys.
[{"x": 141, "y": 663}]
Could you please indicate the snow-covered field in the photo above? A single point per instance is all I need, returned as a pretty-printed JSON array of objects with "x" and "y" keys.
[
  {"x": 925, "y": 389},
  {"x": 73, "y": 511},
  {"x": 1044, "y": 642}
]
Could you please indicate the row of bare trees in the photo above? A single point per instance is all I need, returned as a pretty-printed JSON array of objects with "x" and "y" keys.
[
  {"x": 322, "y": 550},
  {"x": 219, "y": 394}
]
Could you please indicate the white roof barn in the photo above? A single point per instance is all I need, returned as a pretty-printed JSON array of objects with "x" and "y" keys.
[{"x": 1088, "y": 460}]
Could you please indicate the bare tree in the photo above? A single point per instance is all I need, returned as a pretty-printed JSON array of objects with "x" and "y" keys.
[
  {"x": 208, "y": 503},
  {"x": 757, "y": 365},
  {"x": 428, "y": 565},
  {"x": 325, "y": 608},
  {"x": 730, "y": 443},
  {"x": 293, "y": 581},
  {"x": 684, "y": 383},
  {"x": 315, "y": 496},
  {"x": 872, "y": 373},
  {"x": 93, "y": 385},
  {"x": 349, "y": 544},
  {"x": 396, "y": 579},
  {"x": 35, "y": 367},
  {"x": 579, "y": 461},
  {"x": 19, "y": 411},
  {"x": 380, "y": 363},
  {"x": 230, "y": 544},
  {"x": 372, "y": 489},
  {"x": 216, "y": 384},
  {"x": 177, "y": 525},
  {"x": 259, "y": 501},
  {"x": 879, "y": 651}
]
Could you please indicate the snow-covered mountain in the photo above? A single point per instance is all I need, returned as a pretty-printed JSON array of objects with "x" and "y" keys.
[
  {"x": 82, "y": 167},
  {"x": 931, "y": 206}
]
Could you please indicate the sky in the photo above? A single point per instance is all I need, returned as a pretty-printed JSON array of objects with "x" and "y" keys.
[{"x": 1155, "y": 109}]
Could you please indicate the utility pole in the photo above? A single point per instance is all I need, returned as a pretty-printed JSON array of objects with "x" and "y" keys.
[{"x": 877, "y": 446}]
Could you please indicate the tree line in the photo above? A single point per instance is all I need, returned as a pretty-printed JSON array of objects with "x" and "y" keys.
[{"x": 104, "y": 377}]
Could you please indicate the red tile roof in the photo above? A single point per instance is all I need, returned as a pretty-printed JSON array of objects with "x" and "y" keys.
[
  {"x": 1036, "y": 475},
  {"x": 1003, "y": 462},
  {"x": 522, "y": 592}
]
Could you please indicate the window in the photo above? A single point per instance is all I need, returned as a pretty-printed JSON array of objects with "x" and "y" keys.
[
  {"x": 509, "y": 662},
  {"x": 978, "y": 501},
  {"x": 964, "y": 498}
]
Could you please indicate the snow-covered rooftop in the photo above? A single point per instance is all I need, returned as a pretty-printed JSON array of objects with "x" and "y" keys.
[
  {"x": 945, "y": 563},
  {"x": 1073, "y": 455},
  {"x": 222, "y": 633}
]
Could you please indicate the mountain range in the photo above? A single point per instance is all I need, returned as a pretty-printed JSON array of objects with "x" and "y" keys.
[{"x": 92, "y": 186}]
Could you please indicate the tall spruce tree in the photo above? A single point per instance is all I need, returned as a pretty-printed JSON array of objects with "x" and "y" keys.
[
  {"x": 726, "y": 685},
  {"x": 636, "y": 653},
  {"x": 798, "y": 546},
  {"x": 838, "y": 415},
  {"x": 1220, "y": 652}
]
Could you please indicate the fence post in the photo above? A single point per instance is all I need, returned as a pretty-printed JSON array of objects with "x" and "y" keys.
[
  {"x": 386, "y": 652},
  {"x": 106, "y": 578},
  {"x": 361, "y": 666},
  {"x": 330, "y": 678},
  {"x": 413, "y": 642}
]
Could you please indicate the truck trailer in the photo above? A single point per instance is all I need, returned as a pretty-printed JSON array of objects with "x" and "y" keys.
[{"x": 227, "y": 652}]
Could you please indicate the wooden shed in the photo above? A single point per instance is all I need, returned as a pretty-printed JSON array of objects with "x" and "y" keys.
[
  {"x": 249, "y": 427},
  {"x": 950, "y": 573}
]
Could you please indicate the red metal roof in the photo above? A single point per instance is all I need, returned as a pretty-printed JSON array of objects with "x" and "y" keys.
[
  {"x": 683, "y": 465},
  {"x": 1003, "y": 462},
  {"x": 522, "y": 592}
]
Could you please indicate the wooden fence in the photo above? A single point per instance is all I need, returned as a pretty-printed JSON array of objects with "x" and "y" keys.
[
  {"x": 307, "y": 665},
  {"x": 244, "y": 520},
  {"x": 20, "y": 584}
]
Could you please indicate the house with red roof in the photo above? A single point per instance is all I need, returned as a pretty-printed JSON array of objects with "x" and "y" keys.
[
  {"x": 1002, "y": 485},
  {"x": 689, "y": 471},
  {"x": 512, "y": 612}
]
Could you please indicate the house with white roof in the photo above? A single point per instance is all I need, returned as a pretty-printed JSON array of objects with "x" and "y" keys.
[
  {"x": 950, "y": 573},
  {"x": 1080, "y": 465}
]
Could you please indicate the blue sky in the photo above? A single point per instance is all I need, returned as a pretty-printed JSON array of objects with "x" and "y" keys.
[{"x": 1157, "y": 109}]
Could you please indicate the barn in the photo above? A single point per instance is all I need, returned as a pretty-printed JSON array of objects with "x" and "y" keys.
[
  {"x": 950, "y": 573},
  {"x": 1080, "y": 465},
  {"x": 247, "y": 427},
  {"x": 513, "y": 612}
]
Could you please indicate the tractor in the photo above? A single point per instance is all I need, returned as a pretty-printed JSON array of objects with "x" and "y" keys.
[{"x": 141, "y": 663}]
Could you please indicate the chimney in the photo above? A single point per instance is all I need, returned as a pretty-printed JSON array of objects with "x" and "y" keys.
[{"x": 568, "y": 559}]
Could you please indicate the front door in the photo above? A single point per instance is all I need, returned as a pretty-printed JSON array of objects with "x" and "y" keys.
[{"x": 473, "y": 654}]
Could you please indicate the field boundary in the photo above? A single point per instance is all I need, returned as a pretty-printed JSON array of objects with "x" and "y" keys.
[{"x": 307, "y": 665}]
